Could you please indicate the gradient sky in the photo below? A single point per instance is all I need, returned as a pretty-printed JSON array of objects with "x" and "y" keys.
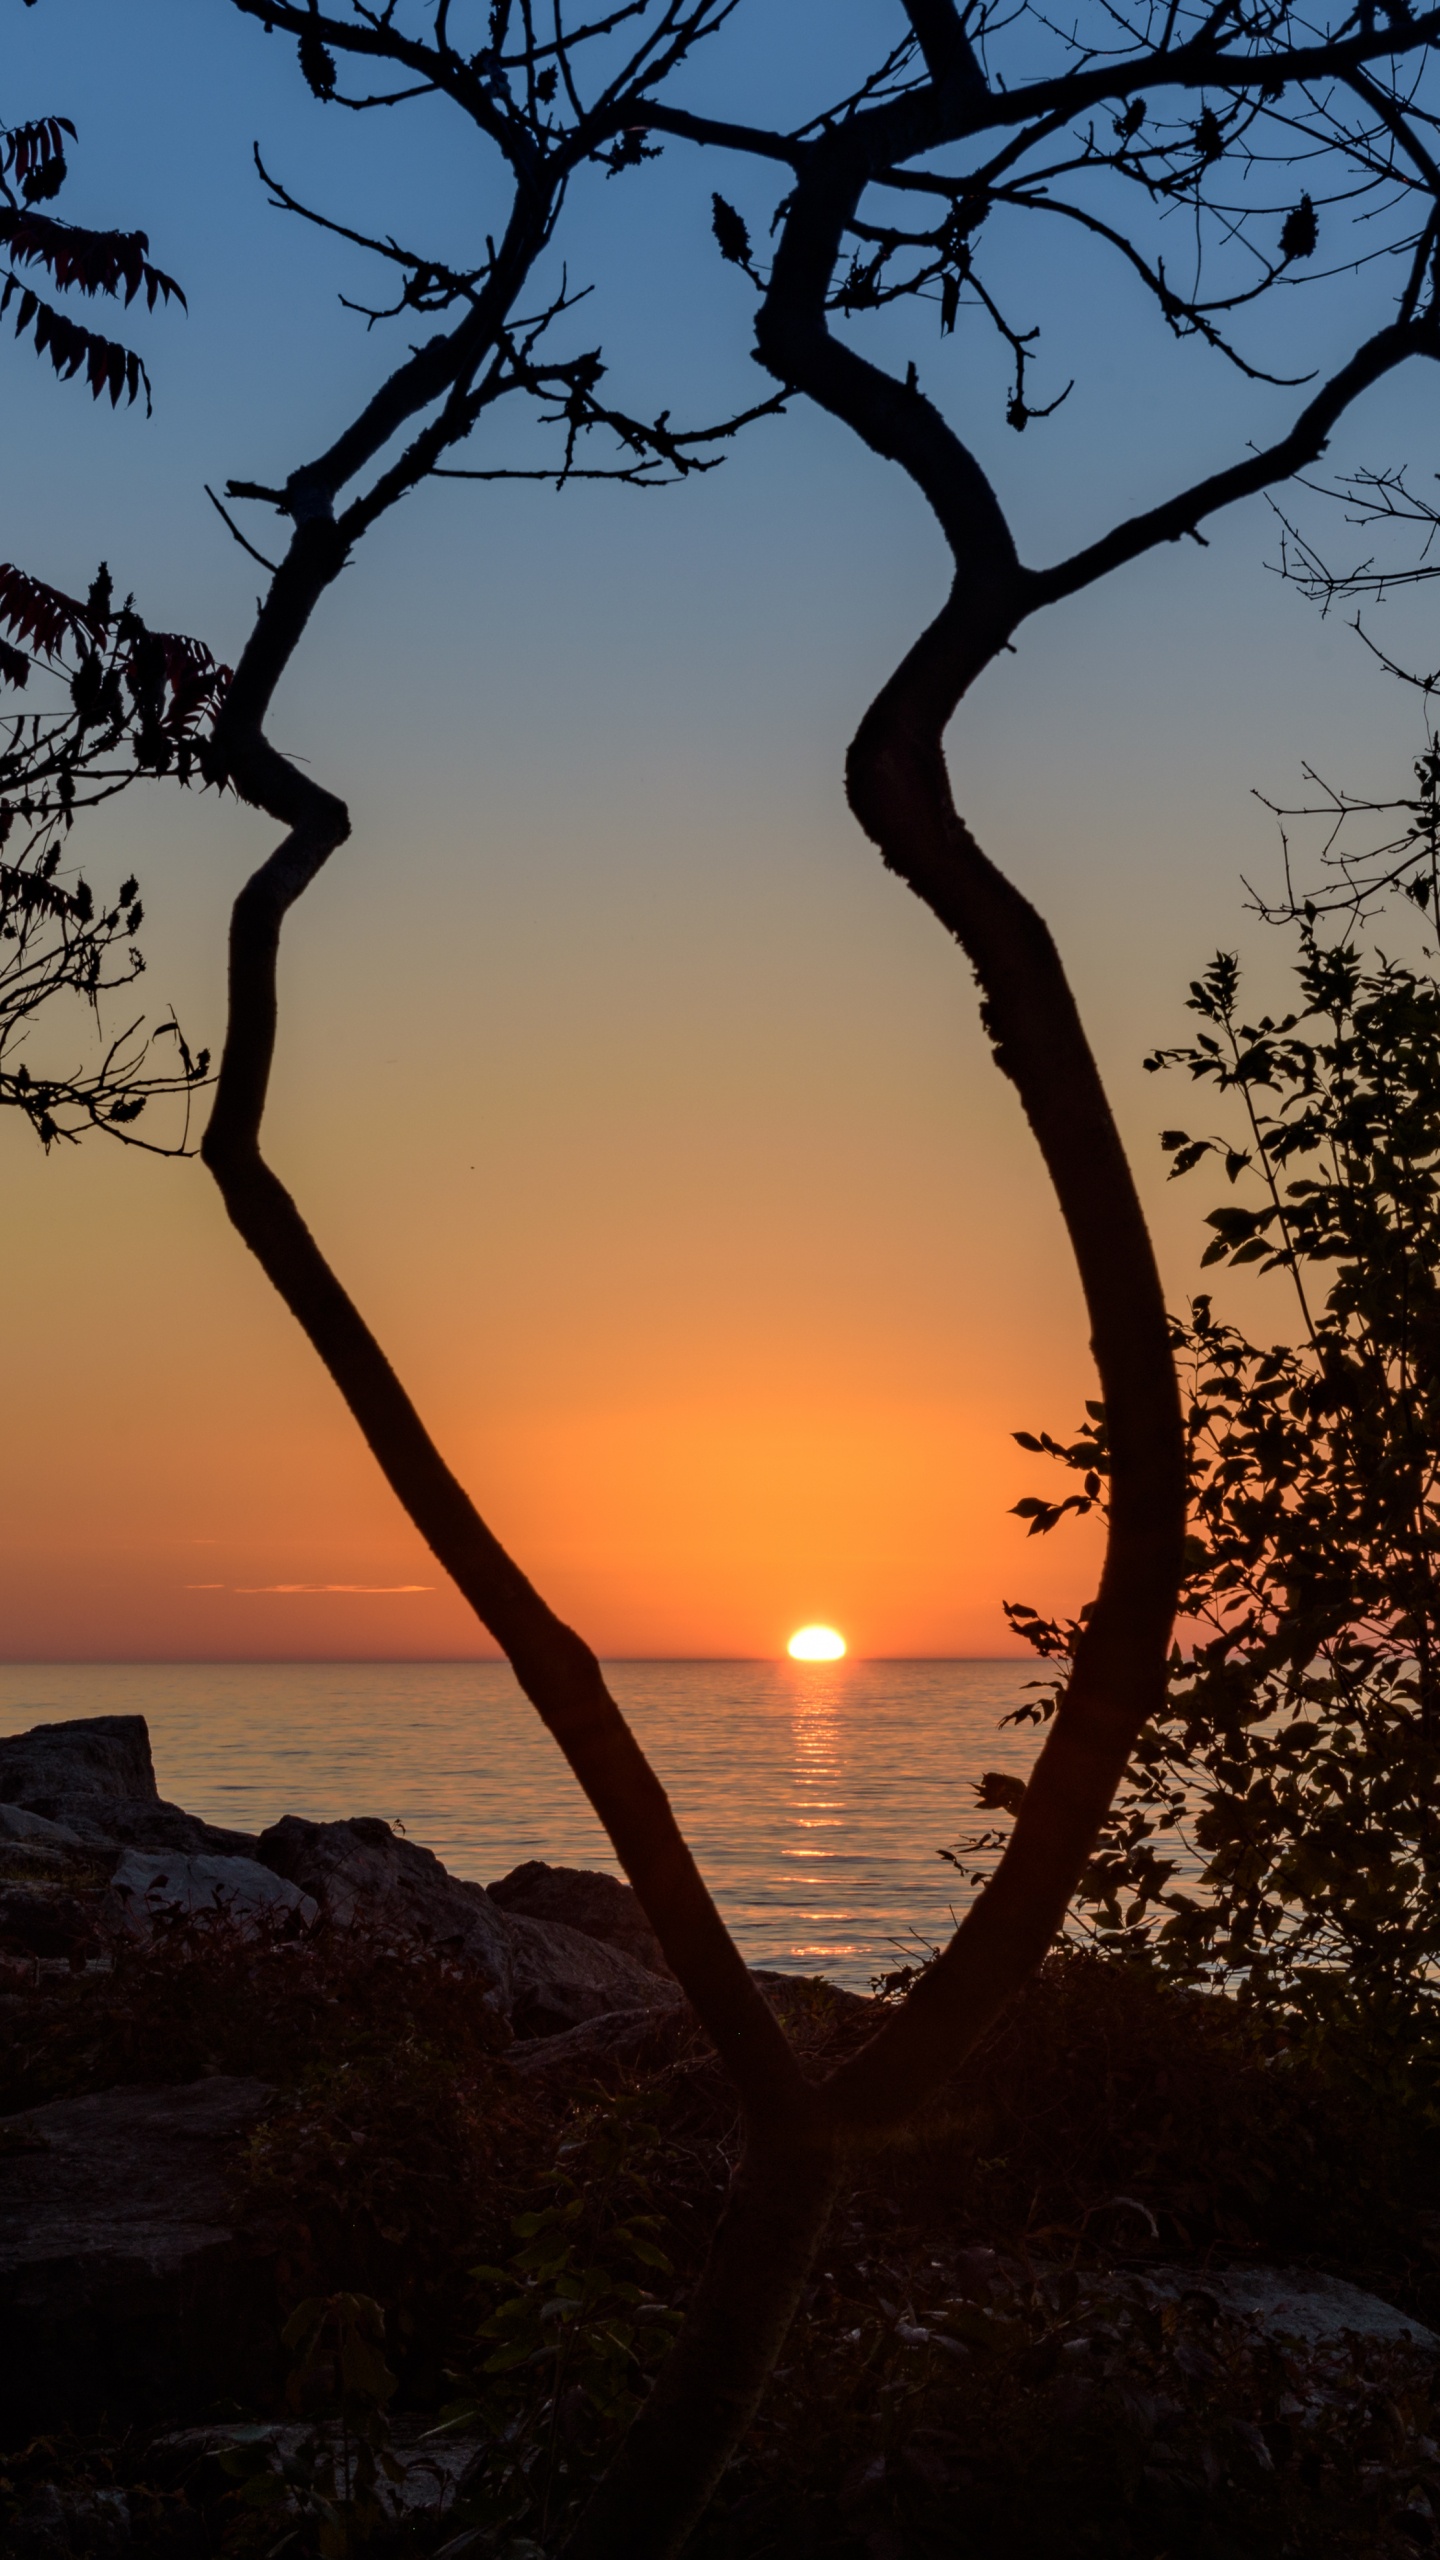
[{"x": 648, "y": 1120}]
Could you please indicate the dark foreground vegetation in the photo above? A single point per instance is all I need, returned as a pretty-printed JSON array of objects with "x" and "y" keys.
[{"x": 1008, "y": 2345}]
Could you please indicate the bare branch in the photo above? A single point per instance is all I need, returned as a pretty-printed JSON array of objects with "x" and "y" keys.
[
  {"x": 232, "y": 527},
  {"x": 1304, "y": 444}
]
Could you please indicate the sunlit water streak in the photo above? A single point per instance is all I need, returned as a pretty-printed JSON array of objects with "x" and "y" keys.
[{"x": 815, "y": 1795}]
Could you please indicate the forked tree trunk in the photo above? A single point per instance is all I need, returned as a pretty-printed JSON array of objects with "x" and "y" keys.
[{"x": 797, "y": 2136}]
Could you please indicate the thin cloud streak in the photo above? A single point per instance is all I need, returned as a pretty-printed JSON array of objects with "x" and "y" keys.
[{"x": 370, "y": 1590}]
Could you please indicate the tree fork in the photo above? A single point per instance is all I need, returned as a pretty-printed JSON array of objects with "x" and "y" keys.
[{"x": 899, "y": 790}]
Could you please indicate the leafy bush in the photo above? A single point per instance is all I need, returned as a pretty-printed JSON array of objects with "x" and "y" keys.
[
  {"x": 1298, "y": 1757},
  {"x": 570, "y": 2327}
]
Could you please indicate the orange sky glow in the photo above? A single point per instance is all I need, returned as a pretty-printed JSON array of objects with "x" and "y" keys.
[{"x": 648, "y": 1120}]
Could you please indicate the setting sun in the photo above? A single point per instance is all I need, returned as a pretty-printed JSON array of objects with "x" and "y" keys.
[{"x": 816, "y": 1644}]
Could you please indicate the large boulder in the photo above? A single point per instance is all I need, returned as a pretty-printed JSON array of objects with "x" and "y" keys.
[
  {"x": 1291, "y": 2302},
  {"x": 607, "y": 2047},
  {"x": 126, "y": 2288},
  {"x": 541, "y": 1976},
  {"x": 559, "y": 1977},
  {"x": 52, "y": 1887},
  {"x": 90, "y": 1756},
  {"x": 150, "y": 1886},
  {"x": 95, "y": 1776},
  {"x": 583, "y": 1898},
  {"x": 363, "y": 1875},
  {"x": 33, "y": 1830}
]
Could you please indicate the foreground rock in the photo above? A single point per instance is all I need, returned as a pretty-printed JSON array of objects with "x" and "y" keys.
[
  {"x": 52, "y": 1886},
  {"x": 541, "y": 1976},
  {"x": 428, "y": 2468},
  {"x": 599, "y": 1906},
  {"x": 126, "y": 2290},
  {"x": 95, "y": 1777},
  {"x": 65, "y": 1892},
  {"x": 1292, "y": 2302},
  {"x": 149, "y": 1885},
  {"x": 90, "y": 1851},
  {"x": 55, "y": 2524}
]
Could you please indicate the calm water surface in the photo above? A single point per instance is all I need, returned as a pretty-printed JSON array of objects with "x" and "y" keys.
[{"x": 815, "y": 1795}]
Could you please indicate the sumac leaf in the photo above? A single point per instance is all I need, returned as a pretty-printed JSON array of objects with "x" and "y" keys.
[
  {"x": 41, "y": 615},
  {"x": 1299, "y": 231},
  {"x": 72, "y": 349},
  {"x": 317, "y": 63},
  {"x": 731, "y": 235},
  {"x": 90, "y": 262}
]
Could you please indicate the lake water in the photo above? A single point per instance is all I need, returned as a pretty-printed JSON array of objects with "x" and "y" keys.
[{"x": 815, "y": 1795}]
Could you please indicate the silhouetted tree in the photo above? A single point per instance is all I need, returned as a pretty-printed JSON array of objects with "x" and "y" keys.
[
  {"x": 119, "y": 701},
  {"x": 1296, "y": 1758},
  {"x": 1208, "y": 110},
  {"x": 128, "y": 703},
  {"x": 1277, "y": 1826}
]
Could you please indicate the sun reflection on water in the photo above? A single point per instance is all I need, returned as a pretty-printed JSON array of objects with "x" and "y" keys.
[
  {"x": 818, "y": 1801},
  {"x": 814, "y": 1795}
]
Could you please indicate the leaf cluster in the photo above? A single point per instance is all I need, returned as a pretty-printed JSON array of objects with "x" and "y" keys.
[
  {"x": 1279, "y": 1823},
  {"x": 330, "y": 2481},
  {"x": 570, "y": 2329},
  {"x": 33, "y": 169},
  {"x": 130, "y": 702}
]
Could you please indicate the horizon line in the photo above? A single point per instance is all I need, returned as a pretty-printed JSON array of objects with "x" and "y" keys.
[{"x": 420, "y": 1661}]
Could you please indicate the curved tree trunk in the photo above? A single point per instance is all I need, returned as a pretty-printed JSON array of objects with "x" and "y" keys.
[
  {"x": 899, "y": 789},
  {"x": 797, "y": 2137},
  {"x": 555, "y": 1667},
  {"x": 762, "y": 2254}
]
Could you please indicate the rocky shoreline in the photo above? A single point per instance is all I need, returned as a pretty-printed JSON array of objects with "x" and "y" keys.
[
  {"x": 246, "y": 2070},
  {"x": 126, "y": 2285},
  {"x": 89, "y": 1848}
]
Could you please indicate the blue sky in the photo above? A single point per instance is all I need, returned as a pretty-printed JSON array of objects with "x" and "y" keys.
[{"x": 644, "y": 1112}]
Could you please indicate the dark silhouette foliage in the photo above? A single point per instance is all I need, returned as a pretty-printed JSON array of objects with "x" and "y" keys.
[
  {"x": 117, "y": 702},
  {"x": 1297, "y": 1759},
  {"x": 129, "y": 703},
  {"x": 976, "y": 2366},
  {"x": 33, "y": 169}
]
